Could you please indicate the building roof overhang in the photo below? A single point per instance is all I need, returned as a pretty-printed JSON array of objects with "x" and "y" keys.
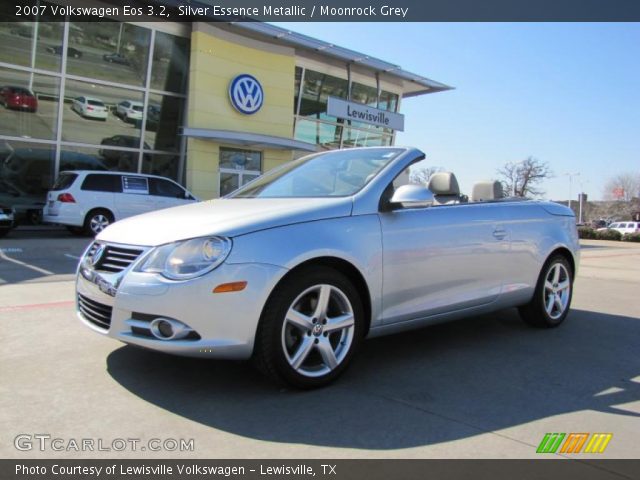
[{"x": 249, "y": 140}]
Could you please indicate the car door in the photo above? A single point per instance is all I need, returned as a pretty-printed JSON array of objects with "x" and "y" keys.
[
  {"x": 167, "y": 193},
  {"x": 135, "y": 198},
  {"x": 439, "y": 259}
]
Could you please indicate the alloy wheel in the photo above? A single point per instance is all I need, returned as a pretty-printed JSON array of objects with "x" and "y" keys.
[
  {"x": 98, "y": 223},
  {"x": 318, "y": 330},
  {"x": 557, "y": 290}
]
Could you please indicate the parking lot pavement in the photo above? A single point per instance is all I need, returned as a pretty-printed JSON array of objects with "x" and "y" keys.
[{"x": 484, "y": 387}]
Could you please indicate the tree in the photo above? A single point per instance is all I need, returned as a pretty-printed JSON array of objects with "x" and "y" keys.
[
  {"x": 521, "y": 179},
  {"x": 421, "y": 175},
  {"x": 623, "y": 187}
]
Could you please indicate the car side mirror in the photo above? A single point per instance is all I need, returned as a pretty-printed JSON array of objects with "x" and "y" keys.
[{"x": 412, "y": 196}]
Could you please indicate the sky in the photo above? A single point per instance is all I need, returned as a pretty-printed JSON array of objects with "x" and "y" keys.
[{"x": 565, "y": 93}]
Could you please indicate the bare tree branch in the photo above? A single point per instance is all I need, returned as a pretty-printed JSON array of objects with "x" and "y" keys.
[
  {"x": 421, "y": 175},
  {"x": 522, "y": 179}
]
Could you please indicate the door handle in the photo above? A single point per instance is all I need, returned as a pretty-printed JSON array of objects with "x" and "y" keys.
[{"x": 499, "y": 233}]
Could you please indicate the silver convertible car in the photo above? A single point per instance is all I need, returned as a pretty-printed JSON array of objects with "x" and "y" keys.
[{"x": 296, "y": 268}]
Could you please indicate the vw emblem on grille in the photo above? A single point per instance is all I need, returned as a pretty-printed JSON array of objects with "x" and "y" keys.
[
  {"x": 246, "y": 94},
  {"x": 96, "y": 255}
]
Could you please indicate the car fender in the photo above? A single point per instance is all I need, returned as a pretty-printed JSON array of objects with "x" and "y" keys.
[{"x": 356, "y": 240}]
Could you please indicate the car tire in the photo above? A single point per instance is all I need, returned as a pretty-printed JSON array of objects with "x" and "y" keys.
[
  {"x": 96, "y": 221},
  {"x": 294, "y": 345},
  {"x": 4, "y": 232},
  {"x": 551, "y": 300}
]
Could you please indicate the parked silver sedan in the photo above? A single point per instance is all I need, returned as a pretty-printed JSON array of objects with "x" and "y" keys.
[{"x": 296, "y": 268}]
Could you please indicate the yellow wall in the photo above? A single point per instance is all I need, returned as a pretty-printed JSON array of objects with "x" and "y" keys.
[{"x": 216, "y": 58}]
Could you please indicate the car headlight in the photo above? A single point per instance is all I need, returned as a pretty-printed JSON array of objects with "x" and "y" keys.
[{"x": 187, "y": 259}]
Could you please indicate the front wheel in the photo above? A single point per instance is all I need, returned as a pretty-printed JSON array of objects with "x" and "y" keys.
[
  {"x": 551, "y": 301},
  {"x": 310, "y": 328}
]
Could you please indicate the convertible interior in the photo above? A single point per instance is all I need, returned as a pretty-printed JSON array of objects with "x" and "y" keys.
[{"x": 446, "y": 191}]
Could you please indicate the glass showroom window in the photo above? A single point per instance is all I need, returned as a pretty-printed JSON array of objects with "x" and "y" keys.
[
  {"x": 313, "y": 125},
  {"x": 92, "y": 96},
  {"x": 238, "y": 167},
  {"x": 170, "y": 63},
  {"x": 30, "y": 104},
  {"x": 111, "y": 51}
]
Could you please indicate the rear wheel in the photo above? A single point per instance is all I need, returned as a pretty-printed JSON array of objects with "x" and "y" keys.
[
  {"x": 551, "y": 301},
  {"x": 310, "y": 329},
  {"x": 97, "y": 220}
]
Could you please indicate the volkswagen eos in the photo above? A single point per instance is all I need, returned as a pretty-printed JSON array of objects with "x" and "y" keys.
[{"x": 296, "y": 268}]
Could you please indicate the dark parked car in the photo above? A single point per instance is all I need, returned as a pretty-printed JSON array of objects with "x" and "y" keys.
[
  {"x": 120, "y": 160},
  {"x": 6, "y": 220},
  {"x": 71, "y": 52},
  {"x": 116, "y": 58},
  {"x": 18, "y": 98},
  {"x": 27, "y": 208},
  {"x": 129, "y": 141}
]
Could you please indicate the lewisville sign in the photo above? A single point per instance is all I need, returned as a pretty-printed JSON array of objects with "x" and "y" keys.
[{"x": 364, "y": 113}]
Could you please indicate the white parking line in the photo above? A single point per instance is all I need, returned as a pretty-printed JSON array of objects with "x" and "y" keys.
[
  {"x": 71, "y": 256},
  {"x": 26, "y": 265},
  {"x": 11, "y": 250}
]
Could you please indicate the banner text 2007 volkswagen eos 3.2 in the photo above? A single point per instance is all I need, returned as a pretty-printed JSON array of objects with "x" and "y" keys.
[{"x": 296, "y": 268}]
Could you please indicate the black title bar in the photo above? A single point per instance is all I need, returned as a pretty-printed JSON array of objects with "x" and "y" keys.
[{"x": 327, "y": 10}]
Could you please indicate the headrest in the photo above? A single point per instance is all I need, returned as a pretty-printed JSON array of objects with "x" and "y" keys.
[
  {"x": 486, "y": 190},
  {"x": 443, "y": 183}
]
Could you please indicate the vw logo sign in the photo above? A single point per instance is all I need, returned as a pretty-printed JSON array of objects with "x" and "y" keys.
[
  {"x": 96, "y": 255},
  {"x": 246, "y": 94}
]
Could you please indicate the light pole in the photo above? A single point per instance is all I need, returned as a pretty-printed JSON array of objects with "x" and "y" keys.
[{"x": 571, "y": 175}]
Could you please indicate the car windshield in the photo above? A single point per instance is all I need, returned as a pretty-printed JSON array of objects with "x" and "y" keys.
[
  {"x": 96, "y": 103},
  {"x": 331, "y": 174}
]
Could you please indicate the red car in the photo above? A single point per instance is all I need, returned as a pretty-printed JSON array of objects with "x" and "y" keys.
[{"x": 18, "y": 98}]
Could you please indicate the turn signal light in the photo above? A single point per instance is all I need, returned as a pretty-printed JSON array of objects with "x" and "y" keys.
[
  {"x": 66, "y": 198},
  {"x": 230, "y": 287}
]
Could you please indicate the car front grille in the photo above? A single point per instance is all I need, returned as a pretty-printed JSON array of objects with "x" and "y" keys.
[
  {"x": 114, "y": 258},
  {"x": 95, "y": 312}
]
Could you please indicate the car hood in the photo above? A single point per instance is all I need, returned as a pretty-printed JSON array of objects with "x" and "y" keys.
[{"x": 228, "y": 217}]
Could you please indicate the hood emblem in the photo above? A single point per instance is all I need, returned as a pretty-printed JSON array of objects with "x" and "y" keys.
[{"x": 96, "y": 255}]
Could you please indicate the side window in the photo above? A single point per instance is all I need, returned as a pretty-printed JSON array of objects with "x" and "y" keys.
[
  {"x": 96, "y": 182},
  {"x": 165, "y": 188},
  {"x": 137, "y": 185}
]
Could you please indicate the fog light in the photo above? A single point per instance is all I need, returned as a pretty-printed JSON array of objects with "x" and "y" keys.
[
  {"x": 168, "y": 329},
  {"x": 165, "y": 329}
]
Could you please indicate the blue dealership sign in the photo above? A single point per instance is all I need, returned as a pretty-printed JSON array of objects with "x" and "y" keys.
[{"x": 246, "y": 94}]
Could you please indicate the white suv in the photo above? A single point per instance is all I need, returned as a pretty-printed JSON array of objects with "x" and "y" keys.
[
  {"x": 623, "y": 227},
  {"x": 87, "y": 201}
]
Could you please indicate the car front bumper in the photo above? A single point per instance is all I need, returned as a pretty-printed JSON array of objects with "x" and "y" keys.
[{"x": 226, "y": 323}]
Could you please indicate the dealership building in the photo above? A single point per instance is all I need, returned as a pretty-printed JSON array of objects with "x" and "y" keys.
[{"x": 211, "y": 105}]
